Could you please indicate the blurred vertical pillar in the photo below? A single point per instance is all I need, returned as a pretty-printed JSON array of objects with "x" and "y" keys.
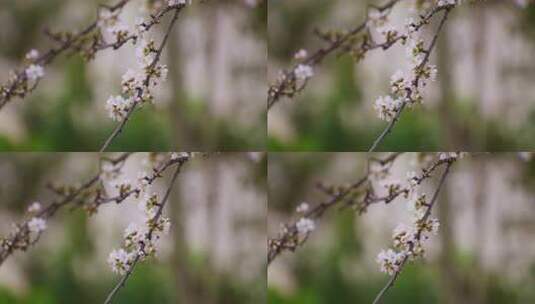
[
  {"x": 182, "y": 133},
  {"x": 212, "y": 181},
  {"x": 450, "y": 139},
  {"x": 183, "y": 275},
  {"x": 212, "y": 21},
  {"x": 181, "y": 137},
  {"x": 479, "y": 24},
  {"x": 478, "y": 278},
  {"x": 449, "y": 291}
]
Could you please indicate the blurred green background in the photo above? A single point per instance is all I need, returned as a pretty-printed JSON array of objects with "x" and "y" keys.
[
  {"x": 482, "y": 100},
  {"x": 213, "y": 99},
  {"x": 483, "y": 253}
]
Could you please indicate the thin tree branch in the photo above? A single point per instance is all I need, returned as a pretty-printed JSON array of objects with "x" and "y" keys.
[
  {"x": 9, "y": 91},
  {"x": 277, "y": 91},
  {"x": 289, "y": 238},
  {"x": 394, "y": 277},
  {"x": 140, "y": 251},
  {"x": 408, "y": 98},
  {"x": 82, "y": 42},
  {"x": 20, "y": 240},
  {"x": 140, "y": 91}
]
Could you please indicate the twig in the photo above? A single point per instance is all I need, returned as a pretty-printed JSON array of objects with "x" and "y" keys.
[
  {"x": 140, "y": 251},
  {"x": 20, "y": 239},
  {"x": 9, "y": 91},
  {"x": 394, "y": 277},
  {"x": 289, "y": 240},
  {"x": 276, "y": 92},
  {"x": 140, "y": 91},
  {"x": 408, "y": 98}
]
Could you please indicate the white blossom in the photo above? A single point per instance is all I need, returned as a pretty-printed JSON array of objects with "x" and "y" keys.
[
  {"x": 118, "y": 107},
  {"x": 149, "y": 204},
  {"x": 301, "y": 54},
  {"x": 415, "y": 50},
  {"x": 303, "y": 207},
  {"x": 410, "y": 24},
  {"x": 432, "y": 225},
  {"x": 388, "y": 31},
  {"x": 178, "y": 2},
  {"x": 398, "y": 82},
  {"x": 146, "y": 52},
  {"x": 35, "y": 72},
  {"x": 134, "y": 235},
  {"x": 35, "y": 207},
  {"x": 404, "y": 236},
  {"x": 390, "y": 261},
  {"x": 412, "y": 177},
  {"x": 131, "y": 81},
  {"x": 387, "y": 107},
  {"x": 441, "y": 3},
  {"x": 305, "y": 225},
  {"x": 120, "y": 260},
  {"x": 303, "y": 72},
  {"x": 37, "y": 225},
  {"x": 32, "y": 55},
  {"x": 179, "y": 155}
]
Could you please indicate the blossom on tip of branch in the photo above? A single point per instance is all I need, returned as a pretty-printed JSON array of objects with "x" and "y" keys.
[
  {"x": 386, "y": 107},
  {"x": 35, "y": 72},
  {"x": 118, "y": 107},
  {"x": 37, "y": 225},
  {"x": 34, "y": 207},
  {"x": 398, "y": 82},
  {"x": 178, "y": 2},
  {"x": 133, "y": 236},
  {"x": 303, "y": 72},
  {"x": 305, "y": 225},
  {"x": 390, "y": 261},
  {"x": 303, "y": 207},
  {"x": 412, "y": 178},
  {"x": 441, "y": 3},
  {"x": 451, "y": 155},
  {"x": 301, "y": 54},
  {"x": 180, "y": 155},
  {"x": 149, "y": 204},
  {"x": 32, "y": 55},
  {"x": 120, "y": 260},
  {"x": 146, "y": 52}
]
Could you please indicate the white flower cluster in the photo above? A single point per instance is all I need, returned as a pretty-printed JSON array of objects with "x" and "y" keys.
[
  {"x": 110, "y": 23},
  {"x": 34, "y": 207},
  {"x": 178, "y": 2},
  {"x": 35, "y": 72},
  {"x": 302, "y": 208},
  {"x": 441, "y": 3},
  {"x": 303, "y": 72},
  {"x": 32, "y": 55},
  {"x": 121, "y": 261},
  {"x": 37, "y": 225},
  {"x": 451, "y": 155},
  {"x": 301, "y": 54},
  {"x": 136, "y": 83},
  {"x": 305, "y": 225},
  {"x": 408, "y": 239},
  {"x": 405, "y": 86},
  {"x": 139, "y": 241}
]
